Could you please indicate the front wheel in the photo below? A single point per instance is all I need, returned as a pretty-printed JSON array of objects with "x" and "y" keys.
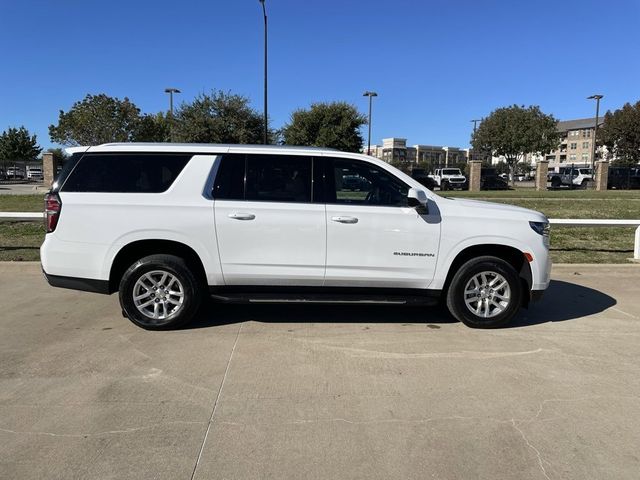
[
  {"x": 160, "y": 292},
  {"x": 485, "y": 293}
]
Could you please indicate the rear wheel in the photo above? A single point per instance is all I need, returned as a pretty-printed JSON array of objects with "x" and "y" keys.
[
  {"x": 160, "y": 292},
  {"x": 485, "y": 293},
  {"x": 556, "y": 182}
]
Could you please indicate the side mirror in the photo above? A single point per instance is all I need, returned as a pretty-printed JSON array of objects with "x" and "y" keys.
[{"x": 418, "y": 200}]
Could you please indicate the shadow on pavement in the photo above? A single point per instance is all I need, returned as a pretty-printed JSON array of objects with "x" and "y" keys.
[{"x": 562, "y": 301}]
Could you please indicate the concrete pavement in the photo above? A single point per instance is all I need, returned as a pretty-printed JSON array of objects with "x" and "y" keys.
[{"x": 283, "y": 391}]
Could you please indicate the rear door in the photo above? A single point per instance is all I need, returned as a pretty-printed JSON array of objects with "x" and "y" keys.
[
  {"x": 269, "y": 229},
  {"x": 374, "y": 239}
]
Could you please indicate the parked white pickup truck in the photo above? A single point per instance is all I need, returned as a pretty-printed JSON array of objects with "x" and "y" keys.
[{"x": 449, "y": 178}]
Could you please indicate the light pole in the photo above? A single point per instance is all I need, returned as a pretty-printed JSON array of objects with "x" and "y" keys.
[
  {"x": 266, "y": 127},
  {"x": 171, "y": 91},
  {"x": 595, "y": 131},
  {"x": 370, "y": 95},
  {"x": 475, "y": 123}
]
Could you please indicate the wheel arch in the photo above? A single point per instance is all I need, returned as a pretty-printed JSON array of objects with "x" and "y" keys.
[
  {"x": 142, "y": 248},
  {"x": 511, "y": 255}
]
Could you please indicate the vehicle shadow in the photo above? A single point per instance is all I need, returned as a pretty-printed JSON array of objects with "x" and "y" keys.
[{"x": 562, "y": 301}]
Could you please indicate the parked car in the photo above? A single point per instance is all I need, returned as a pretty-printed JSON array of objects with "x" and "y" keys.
[
  {"x": 15, "y": 173},
  {"x": 450, "y": 178},
  {"x": 572, "y": 177},
  {"x": 422, "y": 177},
  {"x": 34, "y": 173},
  {"x": 164, "y": 225},
  {"x": 623, "y": 178},
  {"x": 490, "y": 180}
]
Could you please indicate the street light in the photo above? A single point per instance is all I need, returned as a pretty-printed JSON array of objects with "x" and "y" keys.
[
  {"x": 370, "y": 95},
  {"x": 171, "y": 91},
  {"x": 475, "y": 123},
  {"x": 266, "y": 128},
  {"x": 595, "y": 131}
]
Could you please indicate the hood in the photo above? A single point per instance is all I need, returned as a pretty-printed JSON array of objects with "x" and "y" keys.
[{"x": 484, "y": 209}]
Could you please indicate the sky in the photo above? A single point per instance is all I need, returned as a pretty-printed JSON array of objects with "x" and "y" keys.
[{"x": 435, "y": 65}]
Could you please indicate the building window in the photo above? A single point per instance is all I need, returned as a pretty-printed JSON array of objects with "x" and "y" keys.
[
  {"x": 572, "y": 157},
  {"x": 585, "y": 157},
  {"x": 585, "y": 144},
  {"x": 586, "y": 133},
  {"x": 574, "y": 146}
]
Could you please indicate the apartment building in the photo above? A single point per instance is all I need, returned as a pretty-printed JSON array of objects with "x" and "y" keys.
[
  {"x": 395, "y": 149},
  {"x": 576, "y": 144}
]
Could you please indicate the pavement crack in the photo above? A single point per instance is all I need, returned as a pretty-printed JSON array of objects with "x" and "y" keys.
[
  {"x": 541, "y": 461},
  {"x": 215, "y": 403}
]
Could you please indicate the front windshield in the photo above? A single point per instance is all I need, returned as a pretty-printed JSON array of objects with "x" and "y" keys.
[{"x": 451, "y": 171}]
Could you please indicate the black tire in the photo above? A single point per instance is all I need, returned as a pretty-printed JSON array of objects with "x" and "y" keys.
[
  {"x": 456, "y": 293},
  {"x": 556, "y": 182},
  {"x": 190, "y": 287},
  {"x": 584, "y": 184},
  {"x": 445, "y": 186}
]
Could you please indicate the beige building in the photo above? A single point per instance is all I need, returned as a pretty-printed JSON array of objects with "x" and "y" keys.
[
  {"x": 575, "y": 147},
  {"x": 577, "y": 143},
  {"x": 396, "y": 150}
]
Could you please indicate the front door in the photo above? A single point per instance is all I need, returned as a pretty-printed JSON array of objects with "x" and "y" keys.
[
  {"x": 268, "y": 229},
  {"x": 374, "y": 239}
]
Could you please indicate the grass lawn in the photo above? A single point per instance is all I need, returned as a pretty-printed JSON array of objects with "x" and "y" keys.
[
  {"x": 577, "y": 244},
  {"x": 21, "y": 240}
]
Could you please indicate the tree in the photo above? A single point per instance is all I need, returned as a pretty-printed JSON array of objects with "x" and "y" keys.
[
  {"x": 59, "y": 155},
  {"x": 332, "y": 125},
  {"x": 218, "y": 117},
  {"x": 621, "y": 133},
  {"x": 17, "y": 145},
  {"x": 96, "y": 119},
  {"x": 514, "y": 131},
  {"x": 152, "y": 128}
]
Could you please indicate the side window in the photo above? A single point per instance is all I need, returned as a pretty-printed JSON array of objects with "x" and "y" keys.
[
  {"x": 361, "y": 183},
  {"x": 278, "y": 178},
  {"x": 125, "y": 173},
  {"x": 229, "y": 184}
]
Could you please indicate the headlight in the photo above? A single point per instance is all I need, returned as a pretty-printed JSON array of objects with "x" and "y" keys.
[{"x": 541, "y": 228}]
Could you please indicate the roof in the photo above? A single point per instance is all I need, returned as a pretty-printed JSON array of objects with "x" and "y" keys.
[
  {"x": 579, "y": 123},
  {"x": 195, "y": 148}
]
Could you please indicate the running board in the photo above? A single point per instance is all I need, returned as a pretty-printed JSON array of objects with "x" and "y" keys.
[{"x": 331, "y": 296}]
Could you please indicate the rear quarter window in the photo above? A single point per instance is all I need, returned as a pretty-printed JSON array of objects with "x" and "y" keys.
[{"x": 125, "y": 173}]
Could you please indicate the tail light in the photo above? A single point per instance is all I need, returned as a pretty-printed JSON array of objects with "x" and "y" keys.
[{"x": 52, "y": 207}]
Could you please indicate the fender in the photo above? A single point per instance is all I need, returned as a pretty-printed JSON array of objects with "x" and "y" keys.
[{"x": 208, "y": 253}]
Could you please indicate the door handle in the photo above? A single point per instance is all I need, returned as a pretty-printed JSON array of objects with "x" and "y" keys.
[
  {"x": 242, "y": 216},
  {"x": 345, "y": 219}
]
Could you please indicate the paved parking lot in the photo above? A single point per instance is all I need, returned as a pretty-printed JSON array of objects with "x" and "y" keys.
[{"x": 321, "y": 392}]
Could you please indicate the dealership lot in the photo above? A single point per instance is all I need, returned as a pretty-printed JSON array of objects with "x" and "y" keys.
[{"x": 283, "y": 391}]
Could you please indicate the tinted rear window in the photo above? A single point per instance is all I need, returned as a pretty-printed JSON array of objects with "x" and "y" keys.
[
  {"x": 125, "y": 173},
  {"x": 269, "y": 178}
]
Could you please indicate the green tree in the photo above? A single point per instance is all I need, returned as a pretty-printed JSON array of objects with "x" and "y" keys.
[
  {"x": 59, "y": 155},
  {"x": 621, "y": 133},
  {"x": 18, "y": 146},
  {"x": 218, "y": 117},
  {"x": 333, "y": 125},
  {"x": 96, "y": 119},
  {"x": 152, "y": 128},
  {"x": 514, "y": 131}
]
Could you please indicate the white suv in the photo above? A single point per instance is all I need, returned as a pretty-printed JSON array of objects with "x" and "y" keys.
[{"x": 166, "y": 224}]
